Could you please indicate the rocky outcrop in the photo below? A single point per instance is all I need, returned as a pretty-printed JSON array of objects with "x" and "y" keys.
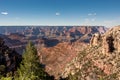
[
  {"x": 108, "y": 45},
  {"x": 111, "y": 40},
  {"x": 100, "y": 60},
  {"x": 95, "y": 40}
]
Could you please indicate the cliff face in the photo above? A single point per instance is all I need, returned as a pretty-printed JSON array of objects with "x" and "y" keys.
[
  {"x": 110, "y": 41},
  {"x": 100, "y": 60},
  {"x": 9, "y": 59}
]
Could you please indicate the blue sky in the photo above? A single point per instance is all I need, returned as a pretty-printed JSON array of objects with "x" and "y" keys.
[{"x": 60, "y": 12}]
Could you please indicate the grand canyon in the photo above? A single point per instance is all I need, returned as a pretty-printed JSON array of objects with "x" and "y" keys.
[
  {"x": 60, "y": 48},
  {"x": 59, "y": 39},
  {"x": 83, "y": 52}
]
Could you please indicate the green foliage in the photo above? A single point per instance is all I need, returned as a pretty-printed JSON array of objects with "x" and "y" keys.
[
  {"x": 73, "y": 77},
  {"x": 30, "y": 67},
  {"x": 2, "y": 68},
  {"x": 6, "y": 78},
  {"x": 101, "y": 79}
]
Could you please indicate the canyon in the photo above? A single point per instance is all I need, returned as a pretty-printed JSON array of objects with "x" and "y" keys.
[{"x": 57, "y": 46}]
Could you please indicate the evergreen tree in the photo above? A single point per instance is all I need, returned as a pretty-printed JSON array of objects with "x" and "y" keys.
[
  {"x": 30, "y": 67},
  {"x": 6, "y": 78}
]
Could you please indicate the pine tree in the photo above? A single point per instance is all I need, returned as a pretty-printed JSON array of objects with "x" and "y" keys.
[
  {"x": 30, "y": 67},
  {"x": 6, "y": 78}
]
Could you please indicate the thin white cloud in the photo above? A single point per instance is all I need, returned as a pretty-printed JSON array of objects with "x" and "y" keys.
[
  {"x": 92, "y": 14},
  {"x": 89, "y": 14},
  {"x": 57, "y": 13},
  {"x": 93, "y": 19},
  {"x": 90, "y": 20},
  {"x": 4, "y": 13}
]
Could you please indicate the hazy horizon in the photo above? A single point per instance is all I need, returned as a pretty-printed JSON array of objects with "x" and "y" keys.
[
  {"x": 60, "y": 13},
  {"x": 52, "y": 25}
]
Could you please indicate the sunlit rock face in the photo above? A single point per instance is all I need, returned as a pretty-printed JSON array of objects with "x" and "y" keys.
[
  {"x": 111, "y": 40},
  {"x": 99, "y": 59},
  {"x": 95, "y": 40}
]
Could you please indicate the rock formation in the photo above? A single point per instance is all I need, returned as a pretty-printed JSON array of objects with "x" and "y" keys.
[
  {"x": 100, "y": 60},
  {"x": 111, "y": 40},
  {"x": 95, "y": 40},
  {"x": 9, "y": 58}
]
